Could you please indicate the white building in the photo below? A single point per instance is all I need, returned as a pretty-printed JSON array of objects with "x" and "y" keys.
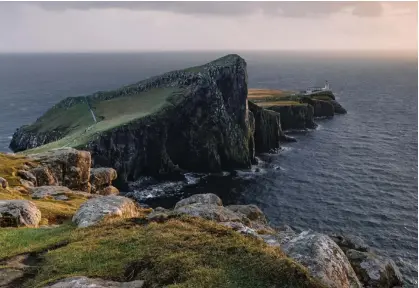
[{"x": 313, "y": 90}]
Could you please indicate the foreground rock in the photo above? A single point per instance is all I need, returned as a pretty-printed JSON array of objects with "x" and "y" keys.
[
  {"x": 18, "y": 213},
  {"x": 84, "y": 282},
  {"x": 55, "y": 192},
  {"x": 67, "y": 166},
  {"x": 209, "y": 198},
  {"x": 101, "y": 178},
  {"x": 98, "y": 209},
  {"x": 323, "y": 258},
  {"x": 199, "y": 122},
  {"x": 374, "y": 271}
]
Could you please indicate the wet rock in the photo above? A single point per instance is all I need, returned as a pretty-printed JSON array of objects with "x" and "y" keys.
[
  {"x": 323, "y": 258},
  {"x": 208, "y": 198},
  {"x": 374, "y": 271},
  {"x": 346, "y": 242},
  {"x": 101, "y": 178},
  {"x": 84, "y": 282},
  {"x": 295, "y": 116},
  {"x": 16, "y": 213},
  {"x": 3, "y": 183},
  {"x": 69, "y": 167},
  {"x": 95, "y": 210}
]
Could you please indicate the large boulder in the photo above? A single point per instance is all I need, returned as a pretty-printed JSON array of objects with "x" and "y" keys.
[
  {"x": 323, "y": 258},
  {"x": 55, "y": 192},
  {"x": 85, "y": 282},
  {"x": 43, "y": 175},
  {"x": 194, "y": 119},
  {"x": 267, "y": 128},
  {"x": 100, "y": 178},
  {"x": 346, "y": 242},
  {"x": 210, "y": 212},
  {"x": 96, "y": 210},
  {"x": 374, "y": 271},
  {"x": 69, "y": 167},
  {"x": 208, "y": 198},
  {"x": 17, "y": 213}
]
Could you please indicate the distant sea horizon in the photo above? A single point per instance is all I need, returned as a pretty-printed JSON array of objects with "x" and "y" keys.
[{"x": 355, "y": 174}]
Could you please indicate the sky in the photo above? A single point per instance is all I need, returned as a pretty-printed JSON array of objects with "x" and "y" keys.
[{"x": 173, "y": 26}]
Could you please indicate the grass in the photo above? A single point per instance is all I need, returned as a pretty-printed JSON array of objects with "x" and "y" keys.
[
  {"x": 267, "y": 93},
  {"x": 280, "y": 103},
  {"x": 79, "y": 127},
  {"x": 181, "y": 252}
]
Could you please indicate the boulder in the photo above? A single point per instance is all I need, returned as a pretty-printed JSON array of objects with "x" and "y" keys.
[
  {"x": 208, "y": 198},
  {"x": 323, "y": 258},
  {"x": 210, "y": 212},
  {"x": 101, "y": 178},
  {"x": 374, "y": 271},
  {"x": 346, "y": 242},
  {"x": 268, "y": 129},
  {"x": 16, "y": 213},
  {"x": 69, "y": 167},
  {"x": 250, "y": 211},
  {"x": 8, "y": 276},
  {"x": 3, "y": 183},
  {"x": 43, "y": 175},
  {"x": 28, "y": 176},
  {"x": 85, "y": 282},
  {"x": 95, "y": 210},
  {"x": 55, "y": 192},
  {"x": 108, "y": 190}
]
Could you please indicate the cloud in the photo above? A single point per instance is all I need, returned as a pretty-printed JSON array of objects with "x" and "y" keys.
[{"x": 283, "y": 9}]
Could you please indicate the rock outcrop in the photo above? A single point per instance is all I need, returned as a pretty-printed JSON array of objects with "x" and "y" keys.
[
  {"x": 19, "y": 213},
  {"x": 65, "y": 167},
  {"x": 98, "y": 209},
  {"x": 268, "y": 130},
  {"x": 321, "y": 108},
  {"x": 200, "y": 124},
  {"x": 84, "y": 282},
  {"x": 337, "y": 107},
  {"x": 295, "y": 117},
  {"x": 55, "y": 192},
  {"x": 101, "y": 181}
]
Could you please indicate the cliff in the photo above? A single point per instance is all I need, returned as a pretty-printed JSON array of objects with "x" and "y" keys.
[
  {"x": 193, "y": 119},
  {"x": 299, "y": 116}
]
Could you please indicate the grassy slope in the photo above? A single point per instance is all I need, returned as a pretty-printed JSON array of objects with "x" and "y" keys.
[
  {"x": 272, "y": 97},
  {"x": 184, "y": 252},
  {"x": 79, "y": 126}
]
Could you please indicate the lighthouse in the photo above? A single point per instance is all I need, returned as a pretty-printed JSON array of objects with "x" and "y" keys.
[{"x": 326, "y": 86}]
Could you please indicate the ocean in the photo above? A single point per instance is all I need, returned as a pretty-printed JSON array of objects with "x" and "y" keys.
[{"x": 355, "y": 173}]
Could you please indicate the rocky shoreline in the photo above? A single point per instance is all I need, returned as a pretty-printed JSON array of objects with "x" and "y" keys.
[{"x": 203, "y": 122}]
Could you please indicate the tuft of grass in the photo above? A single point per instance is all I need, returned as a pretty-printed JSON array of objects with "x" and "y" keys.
[
  {"x": 9, "y": 165},
  {"x": 181, "y": 252}
]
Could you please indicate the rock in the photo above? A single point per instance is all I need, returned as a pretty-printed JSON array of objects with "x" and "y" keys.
[
  {"x": 26, "y": 183},
  {"x": 109, "y": 190},
  {"x": 295, "y": 116},
  {"x": 55, "y": 192},
  {"x": 250, "y": 211},
  {"x": 337, "y": 107},
  {"x": 323, "y": 258},
  {"x": 43, "y": 176},
  {"x": 28, "y": 176},
  {"x": 267, "y": 128},
  {"x": 16, "y": 213},
  {"x": 101, "y": 178},
  {"x": 69, "y": 167},
  {"x": 208, "y": 198},
  {"x": 201, "y": 124},
  {"x": 3, "y": 183},
  {"x": 9, "y": 276},
  {"x": 321, "y": 108},
  {"x": 346, "y": 242},
  {"x": 95, "y": 210},
  {"x": 84, "y": 282},
  {"x": 210, "y": 212},
  {"x": 241, "y": 228},
  {"x": 285, "y": 138},
  {"x": 374, "y": 271}
]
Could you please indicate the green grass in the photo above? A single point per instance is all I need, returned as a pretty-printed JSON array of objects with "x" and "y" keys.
[
  {"x": 79, "y": 127},
  {"x": 280, "y": 103},
  {"x": 184, "y": 252}
]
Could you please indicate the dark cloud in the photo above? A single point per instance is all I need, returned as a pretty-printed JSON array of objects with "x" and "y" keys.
[{"x": 284, "y": 9}]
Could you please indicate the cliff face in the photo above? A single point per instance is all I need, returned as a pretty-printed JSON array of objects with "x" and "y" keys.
[
  {"x": 268, "y": 130},
  {"x": 295, "y": 116},
  {"x": 321, "y": 108},
  {"x": 200, "y": 124}
]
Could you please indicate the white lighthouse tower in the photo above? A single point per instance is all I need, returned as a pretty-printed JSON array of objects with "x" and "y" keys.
[{"x": 326, "y": 86}]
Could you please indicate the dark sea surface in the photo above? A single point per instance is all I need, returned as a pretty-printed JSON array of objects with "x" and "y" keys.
[{"x": 356, "y": 173}]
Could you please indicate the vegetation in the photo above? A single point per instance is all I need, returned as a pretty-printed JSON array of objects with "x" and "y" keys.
[
  {"x": 279, "y": 103},
  {"x": 183, "y": 252}
]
